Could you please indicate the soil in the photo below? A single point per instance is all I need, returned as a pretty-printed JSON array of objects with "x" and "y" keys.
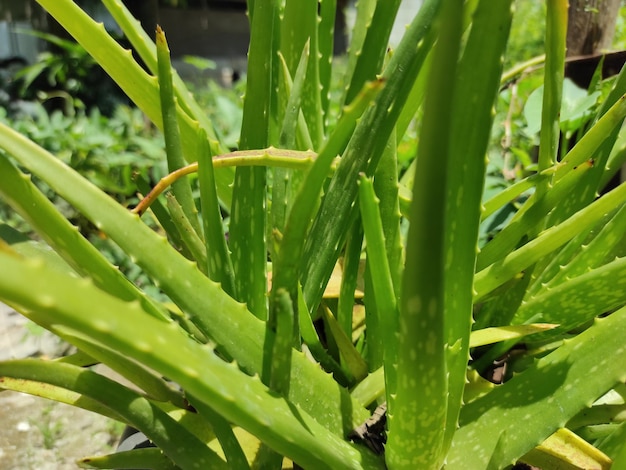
[{"x": 37, "y": 433}]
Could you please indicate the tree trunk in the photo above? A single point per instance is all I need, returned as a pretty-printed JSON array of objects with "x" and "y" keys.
[{"x": 591, "y": 26}]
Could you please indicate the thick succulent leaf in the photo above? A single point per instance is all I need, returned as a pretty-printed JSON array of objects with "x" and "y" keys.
[
  {"x": 419, "y": 405},
  {"x": 240, "y": 398},
  {"x": 566, "y": 448},
  {"x": 549, "y": 240},
  {"x": 502, "y": 333},
  {"x": 173, "y": 143},
  {"x": 475, "y": 93},
  {"x": 575, "y": 301},
  {"x": 556, "y": 28},
  {"x": 151, "y": 458},
  {"x": 556, "y": 388}
]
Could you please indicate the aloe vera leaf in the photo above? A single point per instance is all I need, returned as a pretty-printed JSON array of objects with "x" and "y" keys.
[
  {"x": 178, "y": 443},
  {"x": 556, "y": 28},
  {"x": 219, "y": 265},
  {"x": 58, "y": 394},
  {"x": 617, "y": 158},
  {"x": 507, "y": 239},
  {"x": 15, "y": 241},
  {"x": 597, "y": 251},
  {"x": 416, "y": 97},
  {"x": 350, "y": 357},
  {"x": 370, "y": 388},
  {"x": 620, "y": 459},
  {"x": 349, "y": 279},
  {"x": 173, "y": 144},
  {"x": 145, "y": 47},
  {"x": 303, "y": 137},
  {"x": 591, "y": 182},
  {"x": 137, "y": 458},
  {"x": 325, "y": 47},
  {"x": 614, "y": 444},
  {"x": 566, "y": 448},
  {"x": 241, "y": 399},
  {"x": 512, "y": 192},
  {"x": 551, "y": 272},
  {"x": 188, "y": 235},
  {"x": 475, "y": 94},
  {"x": 217, "y": 315},
  {"x": 292, "y": 109},
  {"x": 387, "y": 189},
  {"x": 500, "y": 305},
  {"x": 24, "y": 197},
  {"x": 247, "y": 225},
  {"x": 548, "y": 241},
  {"x": 282, "y": 178},
  {"x": 372, "y": 53},
  {"x": 299, "y": 26},
  {"x": 315, "y": 346},
  {"x": 364, "y": 14},
  {"x": 579, "y": 299},
  {"x": 594, "y": 137},
  {"x": 362, "y": 154},
  {"x": 502, "y": 333},
  {"x": 382, "y": 282},
  {"x": 235, "y": 455},
  {"x": 277, "y": 357},
  {"x": 155, "y": 386},
  {"x": 535, "y": 403},
  {"x": 417, "y": 414},
  {"x": 598, "y": 414}
]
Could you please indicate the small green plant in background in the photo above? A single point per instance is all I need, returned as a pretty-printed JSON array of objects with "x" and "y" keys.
[{"x": 297, "y": 301}]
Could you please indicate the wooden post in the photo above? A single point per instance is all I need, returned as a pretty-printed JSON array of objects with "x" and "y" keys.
[{"x": 591, "y": 26}]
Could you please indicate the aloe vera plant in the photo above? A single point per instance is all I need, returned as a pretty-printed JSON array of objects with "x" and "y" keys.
[{"x": 277, "y": 346}]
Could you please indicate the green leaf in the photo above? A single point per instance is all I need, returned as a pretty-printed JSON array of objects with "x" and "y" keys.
[
  {"x": 299, "y": 26},
  {"x": 566, "y": 448},
  {"x": 556, "y": 388},
  {"x": 351, "y": 359},
  {"x": 247, "y": 214},
  {"x": 173, "y": 145},
  {"x": 239, "y": 398},
  {"x": 219, "y": 265},
  {"x": 502, "y": 271},
  {"x": 382, "y": 282},
  {"x": 137, "y": 458},
  {"x": 475, "y": 93},
  {"x": 502, "y": 333},
  {"x": 417, "y": 413},
  {"x": 577, "y": 300},
  {"x": 556, "y": 27}
]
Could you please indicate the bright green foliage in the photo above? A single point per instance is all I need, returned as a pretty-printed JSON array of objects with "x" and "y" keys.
[{"x": 297, "y": 300}]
